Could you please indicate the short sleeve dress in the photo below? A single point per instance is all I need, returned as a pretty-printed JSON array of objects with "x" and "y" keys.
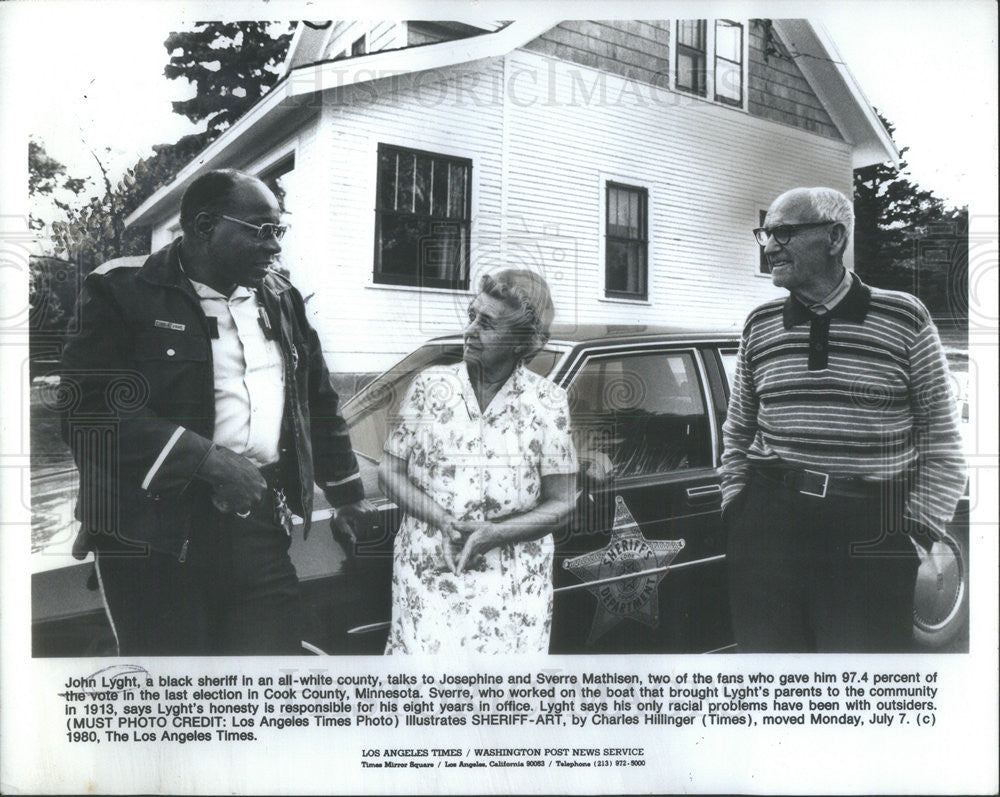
[{"x": 477, "y": 466}]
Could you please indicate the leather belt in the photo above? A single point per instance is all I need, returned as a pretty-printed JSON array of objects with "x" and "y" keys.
[{"x": 819, "y": 484}]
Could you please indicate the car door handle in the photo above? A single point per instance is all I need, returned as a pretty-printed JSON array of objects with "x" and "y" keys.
[{"x": 704, "y": 494}]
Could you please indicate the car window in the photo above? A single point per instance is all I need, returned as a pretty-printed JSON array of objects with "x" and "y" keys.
[
  {"x": 640, "y": 414},
  {"x": 369, "y": 414},
  {"x": 729, "y": 364}
]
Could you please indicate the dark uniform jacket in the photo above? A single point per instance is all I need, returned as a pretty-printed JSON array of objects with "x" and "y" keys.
[{"x": 139, "y": 365}]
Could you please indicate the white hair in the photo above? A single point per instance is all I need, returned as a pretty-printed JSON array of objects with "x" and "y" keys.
[{"x": 830, "y": 205}]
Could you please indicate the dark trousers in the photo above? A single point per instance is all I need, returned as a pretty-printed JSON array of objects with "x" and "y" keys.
[
  {"x": 811, "y": 574},
  {"x": 236, "y": 593}
]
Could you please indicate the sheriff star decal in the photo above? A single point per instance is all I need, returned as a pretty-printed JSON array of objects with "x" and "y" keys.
[{"x": 628, "y": 552}]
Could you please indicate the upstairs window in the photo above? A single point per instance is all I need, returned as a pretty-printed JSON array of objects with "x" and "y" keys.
[
  {"x": 626, "y": 241},
  {"x": 723, "y": 39},
  {"x": 422, "y": 219},
  {"x": 729, "y": 62},
  {"x": 691, "y": 55}
]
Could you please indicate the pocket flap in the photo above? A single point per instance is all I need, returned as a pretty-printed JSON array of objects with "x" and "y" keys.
[{"x": 168, "y": 345}]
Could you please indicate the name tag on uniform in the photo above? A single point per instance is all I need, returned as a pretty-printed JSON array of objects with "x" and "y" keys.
[{"x": 169, "y": 325}]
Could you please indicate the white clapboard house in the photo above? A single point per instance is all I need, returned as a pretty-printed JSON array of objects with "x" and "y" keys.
[{"x": 627, "y": 161}]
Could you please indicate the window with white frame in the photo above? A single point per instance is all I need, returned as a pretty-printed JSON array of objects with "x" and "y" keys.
[
  {"x": 626, "y": 241},
  {"x": 724, "y": 40},
  {"x": 691, "y": 63},
  {"x": 422, "y": 218},
  {"x": 729, "y": 62}
]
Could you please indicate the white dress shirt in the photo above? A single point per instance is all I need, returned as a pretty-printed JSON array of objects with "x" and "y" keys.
[{"x": 249, "y": 376}]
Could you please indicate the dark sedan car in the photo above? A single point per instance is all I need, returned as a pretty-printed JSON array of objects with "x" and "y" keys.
[{"x": 647, "y": 408}]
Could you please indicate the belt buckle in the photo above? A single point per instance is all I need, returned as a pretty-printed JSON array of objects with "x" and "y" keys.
[{"x": 826, "y": 481}]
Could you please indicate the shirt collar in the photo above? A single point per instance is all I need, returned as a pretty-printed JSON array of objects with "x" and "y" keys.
[
  {"x": 852, "y": 306},
  {"x": 207, "y": 292},
  {"x": 515, "y": 384},
  {"x": 834, "y": 297}
]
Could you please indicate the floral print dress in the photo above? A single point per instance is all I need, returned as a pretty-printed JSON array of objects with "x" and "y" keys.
[{"x": 477, "y": 466}]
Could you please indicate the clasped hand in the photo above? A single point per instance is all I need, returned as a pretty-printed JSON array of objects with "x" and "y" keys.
[
  {"x": 237, "y": 484},
  {"x": 466, "y": 541}
]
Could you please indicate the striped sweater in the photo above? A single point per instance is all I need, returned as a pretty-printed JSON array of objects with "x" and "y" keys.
[{"x": 863, "y": 391}]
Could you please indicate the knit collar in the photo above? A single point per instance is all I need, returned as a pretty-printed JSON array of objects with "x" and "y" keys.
[{"x": 853, "y": 307}]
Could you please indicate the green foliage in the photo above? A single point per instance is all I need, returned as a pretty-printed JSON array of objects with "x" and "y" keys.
[
  {"x": 95, "y": 232},
  {"x": 46, "y": 177},
  {"x": 908, "y": 239},
  {"x": 232, "y": 65},
  {"x": 51, "y": 293}
]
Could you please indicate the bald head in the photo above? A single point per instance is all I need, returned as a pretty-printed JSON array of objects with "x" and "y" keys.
[
  {"x": 211, "y": 192},
  {"x": 819, "y": 204}
]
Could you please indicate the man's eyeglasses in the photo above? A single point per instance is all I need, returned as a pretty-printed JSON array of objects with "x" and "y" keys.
[
  {"x": 783, "y": 233},
  {"x": 264, "y": 231}
]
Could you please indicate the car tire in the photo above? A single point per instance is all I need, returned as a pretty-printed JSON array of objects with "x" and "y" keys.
[{"x": 941, "y": 595}]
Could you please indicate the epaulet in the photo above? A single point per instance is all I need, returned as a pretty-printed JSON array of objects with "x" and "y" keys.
[{"x": 131, "y": 261}]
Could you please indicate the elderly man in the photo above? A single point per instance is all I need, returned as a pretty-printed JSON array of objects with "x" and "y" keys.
[
  {"x": 203, "y": 416},
  {"x": 842, "y": 440}
]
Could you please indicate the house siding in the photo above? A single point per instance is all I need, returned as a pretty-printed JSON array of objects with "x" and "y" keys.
[
  {"x": 640, "y": 50},
  {"x": 365, "y": 326},
  {"x": 634, "y": 49},
  {"x": 339, "y": 38},
  {"x": 544, "y": 134},
  {"x": 386, "y": 36},
  {"x": 779, "y": 91},
  {"x": 381, "y": 35},
  {"x": 709, "y": 171}
]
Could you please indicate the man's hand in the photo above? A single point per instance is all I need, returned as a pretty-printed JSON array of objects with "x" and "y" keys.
[
  {"x": 237, "y": 484},
  {"x": 356, "y": 522}
]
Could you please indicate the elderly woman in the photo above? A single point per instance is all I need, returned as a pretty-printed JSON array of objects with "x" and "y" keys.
[{"x": 483, "y": 466}]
